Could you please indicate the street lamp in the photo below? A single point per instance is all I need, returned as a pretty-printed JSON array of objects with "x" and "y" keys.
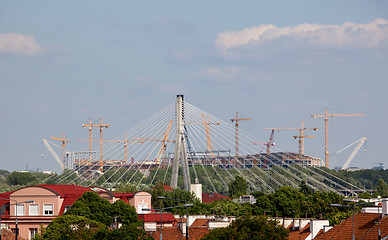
[
  {"x": 16, "y": 214},
  {"x": 353, "y": 206},
  {"x": 378, "y": 215},
  {"x": 161, "y": 215},
  {"x": 187, "y": 215}
]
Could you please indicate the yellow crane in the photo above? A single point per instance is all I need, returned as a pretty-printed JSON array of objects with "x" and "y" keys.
[
  {"x": 64, "y": 141},
  {"x": 206, "y": 123},
  {"x": 101, "y": 126},
  {"x": 163, "y": 146},
  {"x": 300, "y": 137},
  {"x": 116, "y": 141},
  {"x": 237, "y": 130},
  {"x": 326, "y": 116}
]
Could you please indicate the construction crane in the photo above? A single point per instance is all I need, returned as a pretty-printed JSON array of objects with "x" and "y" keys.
[
  {"x": 101, "y": 126},
  {"x": 237, "y": 130},
  {"x": 163, "y": 146},
  {"x": 268, "y": 144},
  {"x": 54, "y": 154},
  {"x": 359, "y": 142},
  {"x": 300, "y": 137},
  {"x": 326, "y": 116},
  {"x": 206, "y": 123},
  {"x": 64, "y": 141},
  {"x": 116, "y": 141}
]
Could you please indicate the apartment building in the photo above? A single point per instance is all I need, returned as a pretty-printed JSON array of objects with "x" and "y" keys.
[{"x": 38, "y": 205}]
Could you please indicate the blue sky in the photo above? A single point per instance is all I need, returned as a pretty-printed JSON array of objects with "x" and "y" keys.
[{"x": 277, "y": 62}]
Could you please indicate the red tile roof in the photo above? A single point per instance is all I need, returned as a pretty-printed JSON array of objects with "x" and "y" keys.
[
  {"x": 363, "y": 223},
  {"x": 200, "y": 223},
  {"x": 66, "y": 190},
  {"x": 167, "y": 188},
  {"x": 373, "y": 232},
  {"x": 297, "y": 235},
  {"x": 123, "y": 196},
  {"x": 174, "y": 233},
  {"x": 6, "y": 196},
  {"x": 212, "y": 197},
  {"x": 197, "y": 233},
  {"x": 155, "y": 217},
  {"x": 170, "y": 233},
  {"x": 70, "y": 193}
]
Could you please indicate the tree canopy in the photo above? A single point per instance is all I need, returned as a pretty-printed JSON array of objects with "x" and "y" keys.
[
  {"x": 90, "y": 218},
  {"x": 382, "y": 188},
  {"x": 249, "y": 228},
  {"x": 238, "y": 187}
]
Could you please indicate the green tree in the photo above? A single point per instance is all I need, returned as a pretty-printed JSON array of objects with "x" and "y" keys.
[
  {"x": 382, "y": 188},
  {"x": 238, "y": 187},
  {"x": 93, "y": 207},
  {"x": 70, "y": 227},
  {"x": 20, "y": 178},
  {"x": 124, "y": 213},
  {"x": 249, "y": 228},
  {"x": 288, "y": 201},
  {"x": 303, "y": 188}
]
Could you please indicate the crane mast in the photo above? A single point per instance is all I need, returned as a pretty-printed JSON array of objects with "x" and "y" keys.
[
  {"x": 300, "y": 137},
  {"x": 101, "y": 126},
  {"x": 64, "y": 141},
  {"x": 237, "y": 130},
  {"x": 326, "y": 116}
]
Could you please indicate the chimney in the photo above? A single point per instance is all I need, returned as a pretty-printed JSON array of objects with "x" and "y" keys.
[
  {"x": 384, "y": 206},
  {"x": 303, "y": 223},
  {"x": 316, "y": 226},
  {"x": 196, "y": 188}
]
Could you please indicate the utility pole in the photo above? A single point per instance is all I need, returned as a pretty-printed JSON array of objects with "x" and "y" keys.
[{"x": 326, "y": 116}]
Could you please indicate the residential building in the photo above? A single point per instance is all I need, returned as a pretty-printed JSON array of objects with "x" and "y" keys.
[{"x": 51, "y": 201}]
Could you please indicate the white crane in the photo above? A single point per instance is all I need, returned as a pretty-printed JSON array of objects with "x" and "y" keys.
[
  {"x": 353, "y": 154},
  {"x": 53, "y": 153}
]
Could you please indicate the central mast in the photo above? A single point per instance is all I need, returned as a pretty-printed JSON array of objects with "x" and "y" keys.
[{"x": 180, "y": 151}]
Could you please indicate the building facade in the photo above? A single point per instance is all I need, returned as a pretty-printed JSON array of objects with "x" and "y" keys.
[{"x": 35, "y": 206}]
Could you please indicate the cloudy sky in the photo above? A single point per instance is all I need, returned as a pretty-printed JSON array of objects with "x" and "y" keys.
[{"x": 276, "y": 62}]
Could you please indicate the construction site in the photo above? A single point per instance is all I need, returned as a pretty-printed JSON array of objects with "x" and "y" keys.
[{"x": 182, "y": 138}]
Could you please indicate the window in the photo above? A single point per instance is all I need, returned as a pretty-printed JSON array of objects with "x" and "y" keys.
[
  {"x": 19, "y": 210},
  {"x": 34, "y": 209},
  {"x": 48, "y": 209},
  {"x": 33, "y": 231},
  {"x": 140, "y": 207}
]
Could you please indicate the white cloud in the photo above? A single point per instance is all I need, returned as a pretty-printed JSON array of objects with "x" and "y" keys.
[
  {"x": 17, "y": 43},
  {"x": 346, "y": 36}
]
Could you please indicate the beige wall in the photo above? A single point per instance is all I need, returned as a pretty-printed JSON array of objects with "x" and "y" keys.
[
  {"x": 40, "y": 196},
  {"x": 43, "y": 196},
  {"x": 141, "y": 198}
]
